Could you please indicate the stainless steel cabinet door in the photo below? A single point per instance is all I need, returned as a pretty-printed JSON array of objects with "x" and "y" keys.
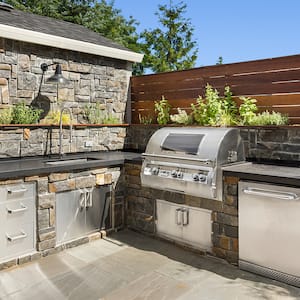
[
  {"x": 70, "y": 216},
  {"x": 185, "y": 224}
]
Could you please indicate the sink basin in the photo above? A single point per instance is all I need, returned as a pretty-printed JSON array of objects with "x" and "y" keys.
[{"x": 70, "y": 161}]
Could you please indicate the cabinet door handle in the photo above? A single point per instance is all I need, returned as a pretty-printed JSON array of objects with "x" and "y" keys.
[
  {"x": 23, "y": 235},
  {"x": 178, "y": 217},
  {"x": 271, "y": 193},
  {"x": 14, "y": 211},
  {"x": 185, "y": 216},
  {"x": 21, "y": 190}
]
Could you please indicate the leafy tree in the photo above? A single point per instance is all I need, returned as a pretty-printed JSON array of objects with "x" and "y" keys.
[
  {"x": 220, "y": 61},
  {"x": 170, "y": 48}
]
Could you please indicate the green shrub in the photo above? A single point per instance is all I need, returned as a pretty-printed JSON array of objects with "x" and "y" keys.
[
  {"x": 95, "y": 114},
  {"x": 162, "y": 108},
  {"x": 247, "y": 110},
  {"x": 181, "y": 118},
  {"x": 267, "y": 118},
  {"x": 215, "y": 110},
  {"x": 23, "y": 114},
  {"x": 6, "y": 116}
]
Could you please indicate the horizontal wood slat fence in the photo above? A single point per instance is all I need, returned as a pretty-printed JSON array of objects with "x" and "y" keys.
[{"x": 275, "y": 83}]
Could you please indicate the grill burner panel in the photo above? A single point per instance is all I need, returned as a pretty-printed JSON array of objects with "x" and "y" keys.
[{"x": 189, "y": 160}]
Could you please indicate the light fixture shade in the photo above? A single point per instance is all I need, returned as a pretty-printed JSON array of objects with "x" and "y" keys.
[{"x": 57, "y": 77}]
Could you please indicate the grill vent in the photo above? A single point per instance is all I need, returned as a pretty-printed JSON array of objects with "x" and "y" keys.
[{"x": 5, "y": 6}]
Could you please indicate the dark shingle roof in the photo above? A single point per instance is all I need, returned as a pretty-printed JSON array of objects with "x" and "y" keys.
[{"x": 33, "y": 22}]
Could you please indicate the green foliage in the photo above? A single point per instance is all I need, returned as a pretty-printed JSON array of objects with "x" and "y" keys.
[
  {"x": 182, "y": 117},
  {"x": 23, "y": 114},
  {"x": 145, "y": 119},
  {"x": 267, "y": 118},
  {"x": 162, "y": 108},
  {"x": 220, "y": 61},
  {"x": 170, "y": 47},
  {"x": 6, "y": 116},
  {"x": 110, "y": 119},
  {"x": 215, "y": 110},
  {"x": 95, "y": 114},
  {"x": 247, "y": 110},
  {"x": 53, "y": 118}
]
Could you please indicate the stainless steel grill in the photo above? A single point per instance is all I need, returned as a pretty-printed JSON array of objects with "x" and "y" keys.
[{"x": 189, "y": 160}]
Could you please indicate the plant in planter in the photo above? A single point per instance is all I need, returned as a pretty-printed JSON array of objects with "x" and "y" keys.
[
  {"x": 267, "y": 118},
  {"x": 23, "y": 114},
  {"x": 6, "y": 115},
  {"x": 162, "y": 108},
  {"x": 215, "y": 110},
  {"x": 182, "y": 117},
  {"x": 145, "y": 119},
  {"x": 247, "y": 110},
  {"x": 53, "y": 118},
  {"x": 96, "y": 114}
]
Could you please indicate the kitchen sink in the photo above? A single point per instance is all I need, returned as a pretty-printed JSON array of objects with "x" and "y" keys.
[{"x": 70, "y": 161}]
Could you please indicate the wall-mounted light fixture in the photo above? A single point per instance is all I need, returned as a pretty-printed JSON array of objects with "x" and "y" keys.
[{"x": 57, "y": 77}]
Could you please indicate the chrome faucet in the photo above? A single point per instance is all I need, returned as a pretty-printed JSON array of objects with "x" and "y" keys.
[{"x": 61, "y": 131}]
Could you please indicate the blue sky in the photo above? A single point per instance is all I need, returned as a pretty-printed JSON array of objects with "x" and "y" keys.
[{"x": 237, "y": 30}]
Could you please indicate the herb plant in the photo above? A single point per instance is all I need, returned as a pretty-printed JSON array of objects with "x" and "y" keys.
[
  {"x": 95, "y": 114},
  {"x": 53, "y": 118},
  {"x": 247, "y": 110},
  {"x": 181, "y": 118},
  {"x": 6, "y": 116},
  {"x": 23, "y": 114},
  {"x": 267, "y": 118},
  {"x": 145, "y": 119},
  {"x": 162, "y": 108}
]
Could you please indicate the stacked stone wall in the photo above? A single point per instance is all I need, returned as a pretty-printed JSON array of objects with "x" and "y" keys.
[{"x": 91, "y": 79}]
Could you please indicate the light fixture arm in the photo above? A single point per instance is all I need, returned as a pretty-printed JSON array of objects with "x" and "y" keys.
[
  {"x": 57, "y": 77},
  {"x": 45, "y": 66}
]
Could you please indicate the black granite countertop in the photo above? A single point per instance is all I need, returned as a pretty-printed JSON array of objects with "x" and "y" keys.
[
  {"x": 19, "y": 167},
  {"x": 264, "y": 173}
]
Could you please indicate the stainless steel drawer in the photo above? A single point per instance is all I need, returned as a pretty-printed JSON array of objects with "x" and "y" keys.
[
  {"x": 16, "y": 240},
  {"x": 18, "y": 221},
  {"x": 16, "y": 191},
  {"x": 20, "y": 211}
]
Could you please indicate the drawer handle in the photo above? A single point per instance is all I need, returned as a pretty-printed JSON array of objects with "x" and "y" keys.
[
  {"x": 14, "y": 211},
  {"x": 23, "y": 235},
  {"x": 22, "y": 190},
  {"x": 271, "y": 194}
]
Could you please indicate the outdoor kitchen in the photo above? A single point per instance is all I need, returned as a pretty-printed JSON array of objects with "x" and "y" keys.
[{"x": 224, "y": 192}]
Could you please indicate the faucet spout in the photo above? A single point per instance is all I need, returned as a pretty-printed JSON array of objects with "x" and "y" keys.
[{"x": 61, "y": 130}]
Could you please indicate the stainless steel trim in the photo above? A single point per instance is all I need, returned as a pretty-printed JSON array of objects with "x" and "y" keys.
[
  {"x": 274, "y": 274},
  {"x": 12, "y": 191},
  {"x": 23, "y": 235},
  {"x": 271, "y": 193},
  {"x": 205, "y": 160},
  {"x": 14, "y": 211},
  {"x": 179, "y": 165}
]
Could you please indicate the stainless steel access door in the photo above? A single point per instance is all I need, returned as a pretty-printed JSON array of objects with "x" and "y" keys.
[
  {"x": 269, "y": 230},
  {"x": 78, "y": 213}
]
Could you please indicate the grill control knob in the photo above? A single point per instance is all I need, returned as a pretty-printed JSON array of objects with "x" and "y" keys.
[
  {"x": 174, "y": 173},
  {"x": 195, "y": 177},
  {"x": 179, "y": 174},
  {"x": 202, "y": 177},
  {"x": 155, "y": 171}
]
